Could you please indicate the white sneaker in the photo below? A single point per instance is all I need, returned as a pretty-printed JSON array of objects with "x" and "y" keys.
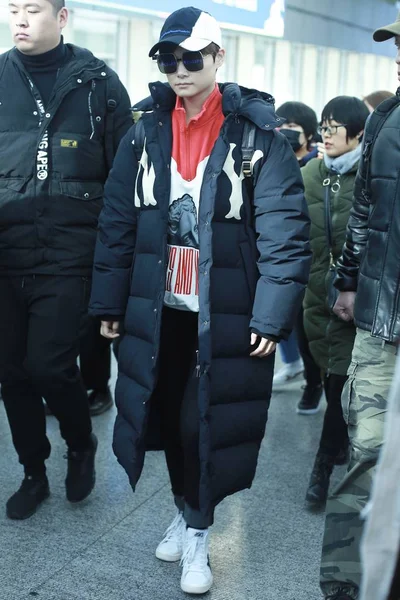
[
  {"x": 196, "y": 575},
  {"x": 171, "y": 546},
  {"x": 288, "y": 372}
]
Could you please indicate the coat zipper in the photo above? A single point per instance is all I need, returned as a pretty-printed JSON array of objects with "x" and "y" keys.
[
  {"x": 93, "y": 87},
  {"x": 197, "y": 364},
  {"x": 366, "y": 156},
  {"x": 335, "y": 189}
]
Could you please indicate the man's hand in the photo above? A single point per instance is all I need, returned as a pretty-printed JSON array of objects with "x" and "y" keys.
[
  {"x": 265, "y": 347},
  {"x": 109, "y": 329},
  {"x": 344, "y": 307}
]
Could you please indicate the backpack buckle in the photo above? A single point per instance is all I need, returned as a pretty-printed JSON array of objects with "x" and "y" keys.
[
  {"x": 111, "y": 104},
  {"x": 247, "y": 168}
]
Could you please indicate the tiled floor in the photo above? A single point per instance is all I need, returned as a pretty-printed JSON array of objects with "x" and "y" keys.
[{"x": 265, "y": 545}]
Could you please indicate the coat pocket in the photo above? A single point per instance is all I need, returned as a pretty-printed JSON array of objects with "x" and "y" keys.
[
  {"x": 13, "y": 184},
  {"x": 82, "y": 190}
]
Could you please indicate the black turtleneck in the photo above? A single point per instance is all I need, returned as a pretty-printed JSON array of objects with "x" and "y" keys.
[{"x": 44, "y": 68}]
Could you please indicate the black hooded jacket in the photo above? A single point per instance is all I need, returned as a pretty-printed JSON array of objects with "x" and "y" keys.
[{"x": 53, "y": 163}]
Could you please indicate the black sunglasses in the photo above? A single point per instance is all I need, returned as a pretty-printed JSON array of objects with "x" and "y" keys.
[{"x": 168, "y": 63}]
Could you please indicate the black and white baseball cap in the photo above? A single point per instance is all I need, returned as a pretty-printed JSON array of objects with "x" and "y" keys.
[{"x": 191, "y": 28}]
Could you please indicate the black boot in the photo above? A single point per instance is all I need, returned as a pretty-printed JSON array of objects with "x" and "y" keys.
[
  {"x": 343, "y": 456},
  {"x": 309, "y": 403},
  {"x": 100, "y": 401},
  {"x": 81, "y": 475},
  {"x": 318, "y": 487},
  {"x": 24, "y": 503}
]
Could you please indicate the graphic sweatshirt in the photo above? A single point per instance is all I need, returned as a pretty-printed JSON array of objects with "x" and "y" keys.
[{"x": 192, "y": 146}]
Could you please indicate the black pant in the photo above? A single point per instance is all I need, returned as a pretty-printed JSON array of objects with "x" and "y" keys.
[
  {"x": 334, "y": 435},
  {"x": 42, "y": 320},
  {"x": 312, "y": 372},
  {"x": 176, "y": 398},
  {"x": 395, "y": 591},
  {"x": 95, "y": 358}
]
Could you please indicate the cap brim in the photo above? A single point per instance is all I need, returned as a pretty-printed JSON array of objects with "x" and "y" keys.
[
  {"x": 173, "y": 39},
  {"x": 385, "y": 33},
  {"x": 187, "y": 43}
]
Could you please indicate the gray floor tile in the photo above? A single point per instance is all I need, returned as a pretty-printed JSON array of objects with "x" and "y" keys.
[{"x": 264, "y": 545}]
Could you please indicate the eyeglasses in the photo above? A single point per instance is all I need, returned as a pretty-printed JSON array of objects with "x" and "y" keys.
[
  {"x": 330, "y": 129},
  {"x": 168, "y": 63}
]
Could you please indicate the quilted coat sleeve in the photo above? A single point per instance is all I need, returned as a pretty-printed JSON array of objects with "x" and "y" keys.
[
  {"x": 282, "y": 227},
  {"x": 116, "y": 235},
  {"x": 356, "y": 238}
]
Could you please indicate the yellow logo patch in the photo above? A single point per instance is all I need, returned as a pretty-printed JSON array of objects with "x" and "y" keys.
[{"x": 69, "y": 144}]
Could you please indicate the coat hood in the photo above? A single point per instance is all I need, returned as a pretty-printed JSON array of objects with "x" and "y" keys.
[{"x": 256, "y": 106}]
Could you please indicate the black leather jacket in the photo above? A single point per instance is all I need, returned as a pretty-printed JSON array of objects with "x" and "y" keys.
[{"x": 370, "y": 263}]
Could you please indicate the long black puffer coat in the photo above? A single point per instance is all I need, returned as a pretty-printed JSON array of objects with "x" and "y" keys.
[{"x": 248, "y": 279}]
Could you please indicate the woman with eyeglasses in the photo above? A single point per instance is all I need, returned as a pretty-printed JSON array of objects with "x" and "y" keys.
[{"x": 329, "y": 190}]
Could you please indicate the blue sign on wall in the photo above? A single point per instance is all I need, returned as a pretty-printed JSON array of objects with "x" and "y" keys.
[{"x": 266, "y": 16}]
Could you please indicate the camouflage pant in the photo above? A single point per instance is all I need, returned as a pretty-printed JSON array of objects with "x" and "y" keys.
[{"x": 364, "y": 402}]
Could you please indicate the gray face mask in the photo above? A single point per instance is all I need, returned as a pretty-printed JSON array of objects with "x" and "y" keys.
[{"x": 293, "y": 137}]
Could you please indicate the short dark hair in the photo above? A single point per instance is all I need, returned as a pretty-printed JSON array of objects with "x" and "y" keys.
[
  {"x": 349, "y": 110},
  {"x": 300, "y": 113},
  {"x": 211, "y": 49},
  {"x": 376, "y": 98},
  {"x": 57, "y": 5}
]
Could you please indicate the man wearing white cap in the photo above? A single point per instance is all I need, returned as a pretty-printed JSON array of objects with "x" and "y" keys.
[{"x": 203, "y": 253}]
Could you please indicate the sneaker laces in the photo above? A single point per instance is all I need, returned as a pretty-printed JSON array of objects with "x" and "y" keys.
[
  {"x": 195, "y": 555},
  {"x": 175, "y": 529},
  {"x": 340, "y": 595}
]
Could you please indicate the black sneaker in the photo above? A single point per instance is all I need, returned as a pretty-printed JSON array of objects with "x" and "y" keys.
[
  {"x": 342, "y": 595},
  {"x": 24, "y": 503},
  {"x": 100, "y": 401},
  {"x": 81, "y": 475},
  {"x": 309, "y": 403},
  {"x": 317, "y": 492}
]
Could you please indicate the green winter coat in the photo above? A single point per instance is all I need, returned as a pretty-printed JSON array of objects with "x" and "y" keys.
[{"x": 331, "y": 339}]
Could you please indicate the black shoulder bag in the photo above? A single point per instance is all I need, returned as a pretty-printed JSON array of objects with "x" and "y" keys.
[{"x": 331, "y": 292}]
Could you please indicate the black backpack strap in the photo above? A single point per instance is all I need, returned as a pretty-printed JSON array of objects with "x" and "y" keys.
[
  {"x": 113, "y": 96},
  {"x": 248, "y": 146},
  {"x": 248, "y": 149},
  {"x": 139, "y": 139},
  {"x": 375, "y": 123}
]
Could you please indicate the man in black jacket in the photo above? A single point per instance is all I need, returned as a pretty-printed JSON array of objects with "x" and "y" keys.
[
  {"x": 369, "y": 284},
  {"x": 63, "y": 113},
  {"x": 195, "y": 261}
]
